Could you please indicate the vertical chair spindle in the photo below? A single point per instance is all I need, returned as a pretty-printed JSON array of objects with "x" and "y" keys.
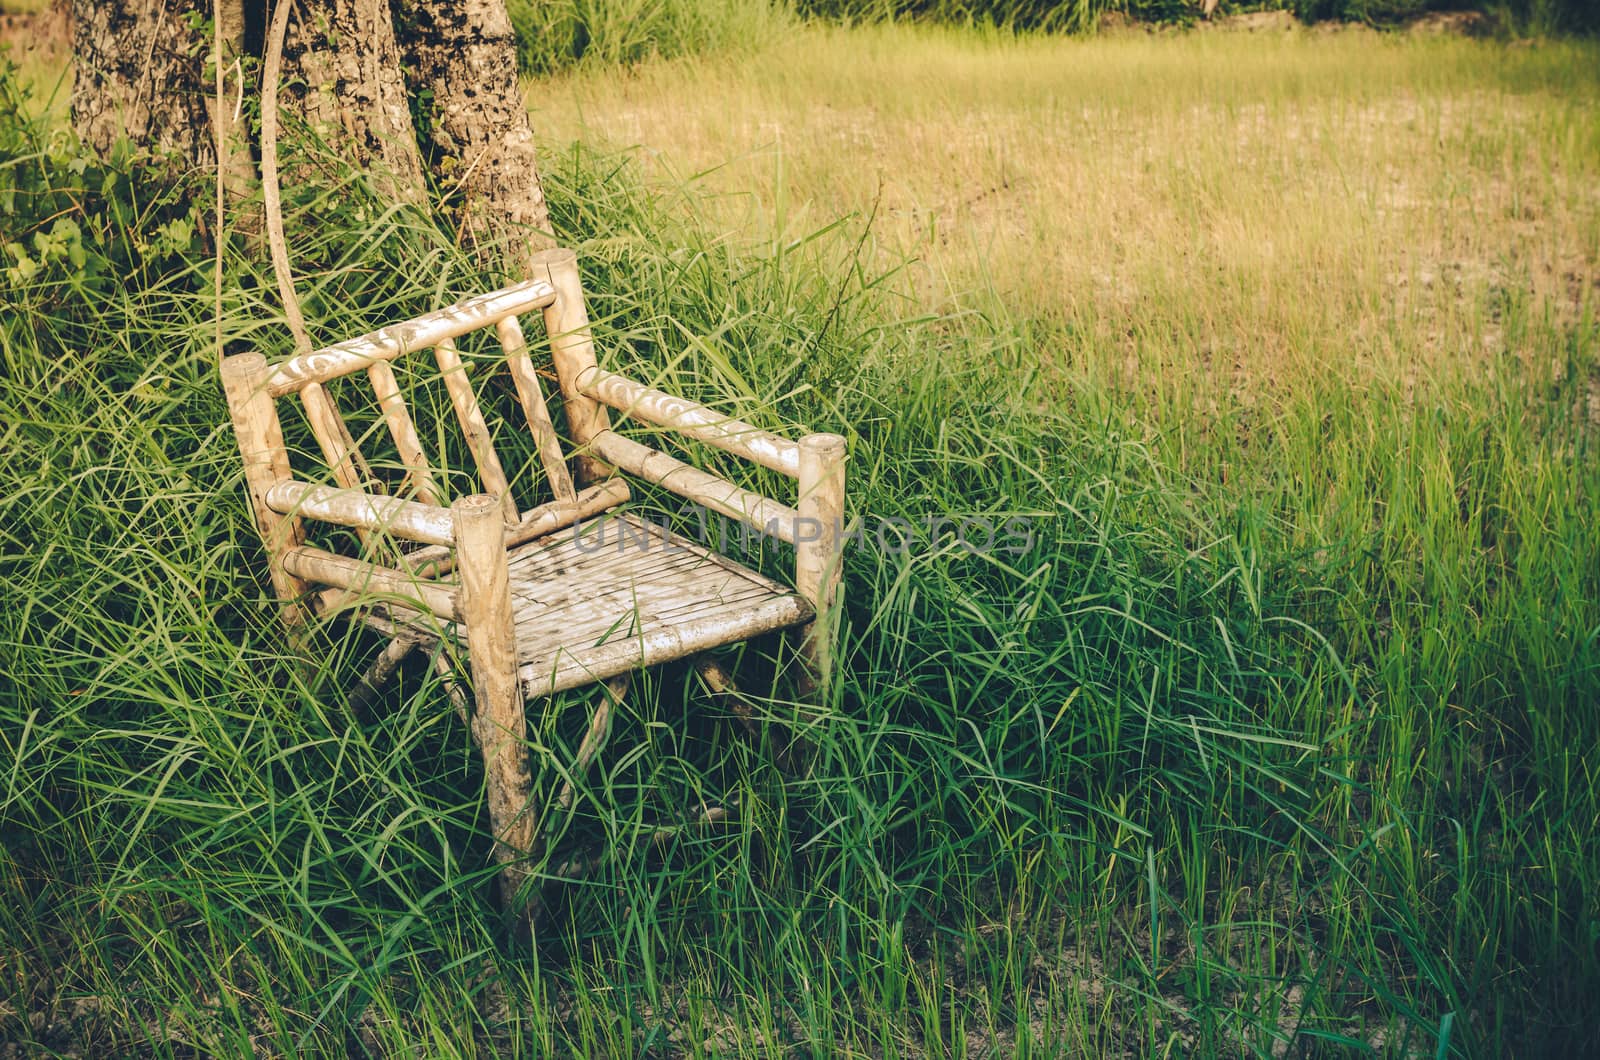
[
  {"x": 338, "y": 447},
  {"x": 479, "y": 441},
  {"x": 534, "y": 408},
  {"x": 404, "y": 432}
]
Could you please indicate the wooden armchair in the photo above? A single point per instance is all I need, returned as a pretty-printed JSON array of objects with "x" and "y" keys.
[{"x": 508, "y": 570}]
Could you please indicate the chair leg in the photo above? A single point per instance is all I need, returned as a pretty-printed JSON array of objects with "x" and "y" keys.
[
  {"x": 818, "y": 551},
  {"x": 499, "y": 723},
  {"x": 719, "y": 682},
  {"x": 453, "y": 689},
  {"x": 593, "y": 740},
  {"x": 382, "y": 669}
]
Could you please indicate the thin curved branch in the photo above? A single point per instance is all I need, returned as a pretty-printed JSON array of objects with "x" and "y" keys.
[{"x": 272, "y": 198}]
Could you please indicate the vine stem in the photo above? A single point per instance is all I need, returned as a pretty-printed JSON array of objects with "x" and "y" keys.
[{"x": 272, "y": 199}]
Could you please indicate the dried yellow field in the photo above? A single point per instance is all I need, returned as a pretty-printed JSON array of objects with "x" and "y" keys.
[{"x": 1254, "y": 205}]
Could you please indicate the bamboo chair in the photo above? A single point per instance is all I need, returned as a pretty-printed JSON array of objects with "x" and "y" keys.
[{"x": 536, "y": 609}]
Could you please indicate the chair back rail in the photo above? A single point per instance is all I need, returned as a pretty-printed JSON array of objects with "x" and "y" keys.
[{"x": 397, "y": 340}]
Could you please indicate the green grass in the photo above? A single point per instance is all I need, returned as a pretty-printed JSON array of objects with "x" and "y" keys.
[
  {"x": 606, "y": 33},
  {"x": 1279, "y": 734}
]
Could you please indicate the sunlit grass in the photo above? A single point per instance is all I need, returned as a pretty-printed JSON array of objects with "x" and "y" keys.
[
  {"x": 1255, "y": 208},
  {"x": 1276, "y": 737}
]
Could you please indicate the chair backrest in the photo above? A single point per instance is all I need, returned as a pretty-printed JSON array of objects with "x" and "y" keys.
[{"x": 389, "y": 454}]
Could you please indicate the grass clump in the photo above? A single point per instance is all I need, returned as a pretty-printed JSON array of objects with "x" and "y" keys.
[
  {"x": 555, "y": 36},
  {"x": 1271, "y": 735}
]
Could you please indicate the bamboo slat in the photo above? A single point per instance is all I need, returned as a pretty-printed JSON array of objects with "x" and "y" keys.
[
  {"x": 566, "y": 320},
  {"x": 330, "y": 568},
  {"x": 531, "y": 395},
  {"x": 404, "y": 432},
  {"x": 338, "y": 446},
  {"x": 364, "y": 511},
  {"x": 470, "y": 415},
  {"x": 535, "y": 522},
  {"x": 597, "y": 600},
  {"x": 586, "y": 613}
]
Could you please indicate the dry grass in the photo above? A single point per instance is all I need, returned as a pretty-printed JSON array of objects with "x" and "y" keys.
[
  {"x": 36, "y": 35},
  {"x": 1253, "y": 206}
]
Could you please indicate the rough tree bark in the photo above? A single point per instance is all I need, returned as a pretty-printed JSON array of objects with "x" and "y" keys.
[
  {"x": 143, "y": 71},
  {"x": 464, "y": 55},
  {"x": 225, "y": 99},
  {"x": 140, "y": 73},
  {"x": 342, "y": 76}
]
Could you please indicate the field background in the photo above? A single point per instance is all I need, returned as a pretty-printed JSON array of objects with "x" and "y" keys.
[{"x": 1278, "y": 740}]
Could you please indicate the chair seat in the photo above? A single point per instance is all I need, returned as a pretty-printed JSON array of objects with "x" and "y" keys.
[{"x": 618, "y": 593}]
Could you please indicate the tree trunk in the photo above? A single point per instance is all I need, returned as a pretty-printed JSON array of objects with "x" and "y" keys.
[
  {"x": 230, "y": 131},
  {"x": 144, "y": 71},
  {"x": 141, "y": 73},
  {"x": 343, "y": 77},
  {"x": 463, "y": 54}
]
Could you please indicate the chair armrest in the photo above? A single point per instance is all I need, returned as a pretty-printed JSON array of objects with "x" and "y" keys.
[
  {"x": 718, "y": 494},
  {"x": 367, "y": 511},
  {"x": 692, "y": 419},
  {"x": 411, "y": 521}
]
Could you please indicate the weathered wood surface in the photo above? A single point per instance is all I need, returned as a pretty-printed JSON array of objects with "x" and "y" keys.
[
  {"x": 365, "y": 511},
  {"x": 619, "y": 594},
  {"x": 691, "y": 418},
  {"x": 339, "y": 449},
  {"x": 585, "y": 615},
  {"x": 428, "y": 524},
  {"x": 552, "y": 515},
  {"x": 366, "y": 692},
  {"x": 330, "y": 568},
  {"x": 396, "y": 340},
  {"x": 530, "y": 393},
  {"x": 594, "y": 738},
  {"x": 566, "y": 319},
  {"x": 498, "y": 722},
  {"x": 266, "y": 464},
  {"x": 718, "y": 494},
  {"x": 470, "y": 416},
  {"x": 419, "y": 474}
]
